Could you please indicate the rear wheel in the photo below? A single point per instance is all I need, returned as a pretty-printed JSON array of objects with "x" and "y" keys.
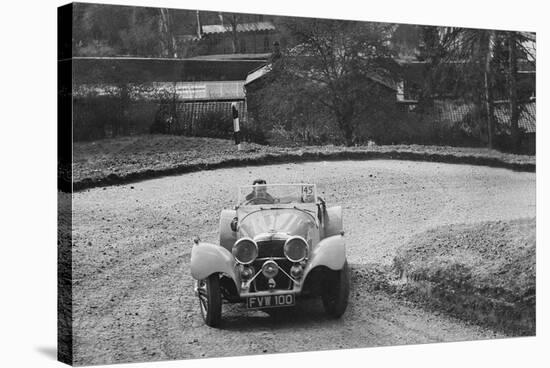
[
  {"x": 336, "y": 292},
  {"x": 210, "y": 300}
]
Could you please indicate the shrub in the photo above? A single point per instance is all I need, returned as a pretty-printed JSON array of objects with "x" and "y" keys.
[
  {"x": 213, "y": 124},
  {"x": 163, "y": 121},
  {"x": 280, "y": 137},
  {"x": 253, "y": 133},
  {"x": 96, "y": 117}
]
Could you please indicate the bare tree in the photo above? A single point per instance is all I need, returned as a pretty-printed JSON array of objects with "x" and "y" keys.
[
  {"x": 518, "y": 50},
  {"x": 487, "y": 40},
  {"x": 513, "y": 88},
  {"x": 233, "y": 21},
  {"x": 167, "y": 35},
  {"x": 468, "y": 62},
  {"x": 343, "y": 62}
]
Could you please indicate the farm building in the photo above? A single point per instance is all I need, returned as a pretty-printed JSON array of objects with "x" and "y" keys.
[
  {"x": 230, "y": 36},
  {"x": 254, "y": 37},
  {"x": 123, "y": 95},
  {"x": 447, "y": 113}
]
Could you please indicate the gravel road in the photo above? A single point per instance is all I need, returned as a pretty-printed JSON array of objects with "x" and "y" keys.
[{"x": 133, "y": 298}]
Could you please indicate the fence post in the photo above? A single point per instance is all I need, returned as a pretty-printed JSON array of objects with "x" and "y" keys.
[{"x": 236, "y": 129}]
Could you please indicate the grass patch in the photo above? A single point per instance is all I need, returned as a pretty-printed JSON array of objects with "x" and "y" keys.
[
  {"x": 484, "y": 273},
  {"x": 129, "y": 159}
]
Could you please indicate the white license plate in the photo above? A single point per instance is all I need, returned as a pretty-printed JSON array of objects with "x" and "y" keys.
[{"x": 270, "y": 301}]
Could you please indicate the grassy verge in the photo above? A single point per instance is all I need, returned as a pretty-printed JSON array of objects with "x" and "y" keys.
[
  {"x": 130, "y": 159},
  {"x": 484, "y": 273}
]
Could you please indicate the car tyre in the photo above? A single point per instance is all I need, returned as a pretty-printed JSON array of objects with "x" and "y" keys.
[
  {"x": 210, "y": 300},
  {"x": 336, "y": 292}
]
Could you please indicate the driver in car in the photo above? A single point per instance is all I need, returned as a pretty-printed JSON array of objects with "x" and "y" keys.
[{"x": 259, "y": 194}]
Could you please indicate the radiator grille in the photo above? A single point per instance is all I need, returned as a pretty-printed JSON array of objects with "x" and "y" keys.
[
  {"x": 271, "y": 248},
  {"x": 267, "y": 249}
]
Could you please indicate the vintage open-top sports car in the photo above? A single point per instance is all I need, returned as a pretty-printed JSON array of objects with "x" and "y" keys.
[{"x": 281, "y": 241}]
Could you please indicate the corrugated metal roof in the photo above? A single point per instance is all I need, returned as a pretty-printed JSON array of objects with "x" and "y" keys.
[
  {"x": 257, "y": 73},
  {"x": 183, "y": 91},
  {"x": 451, "y": 113},
  {"x": 224, "y": 57},
  {"x": 527, "y": 118},
  {"x": 242, "y": 27}
]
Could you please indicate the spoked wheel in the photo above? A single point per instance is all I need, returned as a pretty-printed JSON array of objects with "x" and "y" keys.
[
  {"x": 210, "y": 300},
  {"x": 336, "y": 292}
]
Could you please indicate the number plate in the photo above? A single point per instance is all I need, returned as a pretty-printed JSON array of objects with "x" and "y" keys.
[{"x": 270, "y": 301}]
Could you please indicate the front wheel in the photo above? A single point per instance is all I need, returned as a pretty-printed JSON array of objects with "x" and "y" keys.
[
  {"x": 210, "y": 300},
  {"x": 336, "y": 292}
]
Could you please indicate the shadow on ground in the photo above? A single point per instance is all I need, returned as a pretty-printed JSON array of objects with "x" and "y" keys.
[
  {"x": 238, "y": 318},
  {"x": 48, "y": 351}
]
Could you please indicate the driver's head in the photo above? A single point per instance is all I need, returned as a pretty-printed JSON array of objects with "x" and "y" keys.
[{"x": 259, "y": 186}]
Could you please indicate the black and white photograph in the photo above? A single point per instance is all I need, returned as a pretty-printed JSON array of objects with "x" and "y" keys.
[{"x": 235, "y": 184}]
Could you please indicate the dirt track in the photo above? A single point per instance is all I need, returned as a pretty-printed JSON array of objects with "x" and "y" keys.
[{"x": 133, "y": 298}]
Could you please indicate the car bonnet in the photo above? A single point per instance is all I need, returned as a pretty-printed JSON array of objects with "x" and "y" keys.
[{"x": 292, "y": 221}]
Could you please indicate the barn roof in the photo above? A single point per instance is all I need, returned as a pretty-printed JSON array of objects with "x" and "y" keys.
[
  {"x": 453, "y": 112},
  {"x": 527, "y": 118},
  {"x": 265, "y": 69},
  {"x": 242, "y": 27},
  {"x": 257, "y": 73}
]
